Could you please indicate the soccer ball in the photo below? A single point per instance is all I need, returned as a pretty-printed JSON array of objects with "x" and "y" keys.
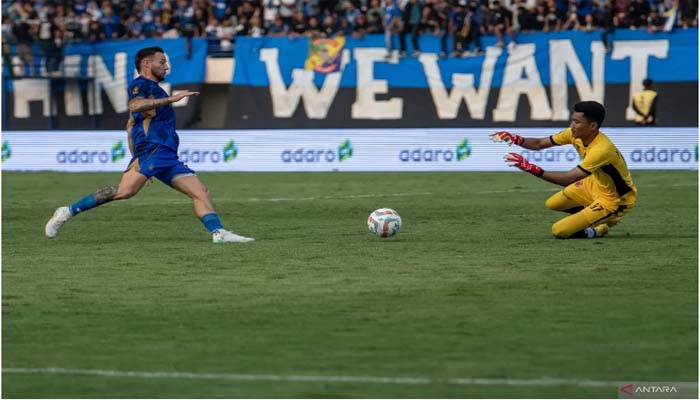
[{"x": 384, "y": 222}]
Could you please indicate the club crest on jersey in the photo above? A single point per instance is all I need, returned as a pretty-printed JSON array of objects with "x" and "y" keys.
[{"x": 135, "y": 90}]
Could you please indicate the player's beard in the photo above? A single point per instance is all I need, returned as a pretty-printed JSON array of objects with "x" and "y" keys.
[{"x": 159, "y": 76}]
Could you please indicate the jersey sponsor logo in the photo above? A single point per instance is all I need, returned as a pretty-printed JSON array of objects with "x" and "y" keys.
[
  {"x": 78, "y": 156},
  {"x": 302, "y": 155},
  {"x": 461, "y": 152},
  {"x": 6, "y": 150},
  {"x": 198, "y": 156},
  {"x": 662, "y": 155}
]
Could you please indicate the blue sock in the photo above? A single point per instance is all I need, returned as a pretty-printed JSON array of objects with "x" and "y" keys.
[
  {"x": 83, "y": 204},
  {"x": 211, "y": 222}
]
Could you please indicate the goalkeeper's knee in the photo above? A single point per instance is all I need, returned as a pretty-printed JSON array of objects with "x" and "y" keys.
[
  {"x": 560, "y": 231},
  {"x": 558, "y": 202}
]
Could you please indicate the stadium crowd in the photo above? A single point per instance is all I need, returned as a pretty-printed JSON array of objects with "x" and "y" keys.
[{"x": 51, "y": 23}]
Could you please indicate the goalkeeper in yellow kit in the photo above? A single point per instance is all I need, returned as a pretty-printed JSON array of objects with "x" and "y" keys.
[{"x": 598, "y": 191}]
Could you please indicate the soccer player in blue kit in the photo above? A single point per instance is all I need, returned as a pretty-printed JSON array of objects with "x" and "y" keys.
[{"x": 153, "y": 143}]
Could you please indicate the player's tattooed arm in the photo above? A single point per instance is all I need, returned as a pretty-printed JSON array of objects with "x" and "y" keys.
[
  {"x": 105, "y": 194},
  {"x": 140, "y": 104}
]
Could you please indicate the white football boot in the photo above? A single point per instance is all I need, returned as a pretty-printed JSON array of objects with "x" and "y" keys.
[
  {"x": 60, "y": 216},
  {"x": 224, "y": 236}
]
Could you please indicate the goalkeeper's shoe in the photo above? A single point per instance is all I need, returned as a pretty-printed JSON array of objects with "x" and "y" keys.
[
  {"x": 601, "y": 230},
  {"x": 224, "y": 236},
  {"x": 60, "y": 216}
]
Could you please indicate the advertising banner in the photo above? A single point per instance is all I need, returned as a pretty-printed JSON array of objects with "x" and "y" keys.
[{"x": 339, "y": 150}]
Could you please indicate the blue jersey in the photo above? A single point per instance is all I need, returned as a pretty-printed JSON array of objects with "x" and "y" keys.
[
  {"x": 152, "y": 127},
  {"x": 391, "y": 13}
]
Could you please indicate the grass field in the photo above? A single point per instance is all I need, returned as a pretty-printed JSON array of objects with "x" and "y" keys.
[{"x": 474, "y": 286}]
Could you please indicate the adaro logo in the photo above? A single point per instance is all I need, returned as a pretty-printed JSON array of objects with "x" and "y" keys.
[
  {"x": 118, "y": 151},
  {"x": 230, "y": 151},
  {"x": 319, "y": 155},
  {"x": 464, "y": 150},
  {"x": 78, "y": 156},
  {"x": 460, "y": 153},
  {"x": 196, "y": 156},
  {"x": 6, "y": 150},
  {"x": 345, "y": 150}
]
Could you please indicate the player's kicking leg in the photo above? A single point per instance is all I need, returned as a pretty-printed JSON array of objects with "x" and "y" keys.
[
  {"x": 132, "y": 181},
  {"x": 190, "y": 185}
]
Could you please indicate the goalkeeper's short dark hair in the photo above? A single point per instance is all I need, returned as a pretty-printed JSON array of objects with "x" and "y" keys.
[{"x": 592, "y": 110}]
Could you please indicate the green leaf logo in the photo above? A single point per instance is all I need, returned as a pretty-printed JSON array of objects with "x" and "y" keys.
[
  {"x": 230, "y": 151},
  {"x": 7, "y": 152},
  {"x": 464, "y": 150},
  {"x": 345, "y": 150},
  {"x": 118, "y": 151}
]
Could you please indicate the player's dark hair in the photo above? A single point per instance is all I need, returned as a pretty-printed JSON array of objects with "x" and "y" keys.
[
  {"x": 592, "y": 110},
  {"x": 647, "y": 83},
  {"x": 145, "y": 52}
]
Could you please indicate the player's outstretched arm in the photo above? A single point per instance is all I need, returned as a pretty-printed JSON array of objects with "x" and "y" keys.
[
  {"x": 140, "y": 104},
  {"x": 560, "y": 178},
  {"x": 528, "y": 143}
]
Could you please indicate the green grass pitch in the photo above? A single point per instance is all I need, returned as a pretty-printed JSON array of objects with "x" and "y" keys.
[{"x": 474, "y": 286}]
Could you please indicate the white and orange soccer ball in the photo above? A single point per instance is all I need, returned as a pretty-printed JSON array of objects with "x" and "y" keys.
[{"x": 384, "y": 222}]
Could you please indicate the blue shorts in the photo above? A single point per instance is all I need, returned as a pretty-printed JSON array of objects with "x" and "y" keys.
[{"x": 160, "y": 162}]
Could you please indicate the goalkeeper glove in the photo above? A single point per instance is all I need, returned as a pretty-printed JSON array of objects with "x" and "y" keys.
[
  {"x": 507, "y": 137},
  {"x": 516, "y": 160}
]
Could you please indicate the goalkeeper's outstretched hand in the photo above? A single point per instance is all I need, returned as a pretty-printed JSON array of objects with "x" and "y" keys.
[
  {"x": 507, "y": 137},
  {"x": 516, "y": 160}
]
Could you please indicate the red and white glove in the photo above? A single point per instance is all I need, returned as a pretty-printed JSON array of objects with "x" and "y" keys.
[
  {"x": 516, "y": 160},
  {"x": 507, "y": 137}
]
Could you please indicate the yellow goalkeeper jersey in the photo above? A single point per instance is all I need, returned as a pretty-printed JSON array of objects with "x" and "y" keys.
[{"x": 606, "y": 166}]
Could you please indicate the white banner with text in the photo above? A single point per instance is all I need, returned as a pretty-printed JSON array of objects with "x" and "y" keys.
[{"x": 339, "y": 150}]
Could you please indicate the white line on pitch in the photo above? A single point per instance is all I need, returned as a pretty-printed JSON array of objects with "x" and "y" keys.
[{"x": 328, "y": 378}]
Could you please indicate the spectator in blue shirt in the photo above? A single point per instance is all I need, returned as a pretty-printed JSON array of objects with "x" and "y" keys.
[
  {"x": 221, "y": 9},
  {"x": 80, "y": 7},
  {"x": 392, "y": 25},
  {"x": 112, "y": 24},
  {"x": 278, "y": 28},
  {"x": 584, "y": 11}
]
